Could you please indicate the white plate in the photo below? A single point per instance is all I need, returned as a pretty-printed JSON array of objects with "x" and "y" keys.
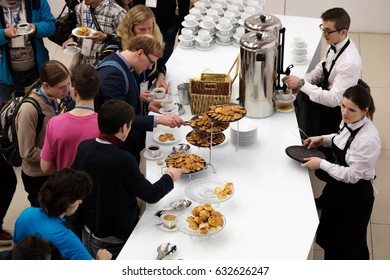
[
  {"x": 89, "y": 36},
  {"x": 176, "y": 134},
  {"x": 245, "y": 125},
  {"x": 164, "y": 228},
  {"x": 182, "y": 225},
  {"x": 66, "y": 51},
  {"x": 173, "y": 111},
  {"x": 201, "y": 25},
  {"x": 26, "y": 33},
  {"x": 147, "y": 156},
  {"x": 181, "y": 38}
]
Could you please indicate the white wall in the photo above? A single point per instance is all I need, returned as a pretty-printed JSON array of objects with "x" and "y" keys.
[
  {"x": 369, "y": 16},
  {"x": 366, "y": 16}
]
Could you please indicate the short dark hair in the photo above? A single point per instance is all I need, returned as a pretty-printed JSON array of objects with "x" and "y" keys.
[
  {"x": 35, "y": 248},
  {"x": 361, "y": 96},
  {"x": 339, "y": 16},
  {"x": 85, "y": 79},
  {"x": 113, "y": 115},
  {"x": 62, "y": 188}
]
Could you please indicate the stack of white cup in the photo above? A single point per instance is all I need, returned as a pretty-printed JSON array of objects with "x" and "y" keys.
[{"x": 299, "y": 50}]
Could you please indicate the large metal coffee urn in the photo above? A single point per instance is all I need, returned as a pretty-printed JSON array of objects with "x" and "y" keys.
[
  {"x": 262, "y": 52},
  {"x": 258, "y": 54}
]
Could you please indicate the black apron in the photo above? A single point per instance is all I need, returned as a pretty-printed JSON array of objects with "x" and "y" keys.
[
  {"x": 346, "y": 211},
  {"x": 314, "y": 118}
]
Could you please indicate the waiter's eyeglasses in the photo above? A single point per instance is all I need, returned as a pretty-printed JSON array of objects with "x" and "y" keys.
[
  {"x": 329, "y": 32},
  {"x": 150, "y": 61}
]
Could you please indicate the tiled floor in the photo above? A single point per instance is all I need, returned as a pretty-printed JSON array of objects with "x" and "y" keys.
[{"x": 374, "y": 50}]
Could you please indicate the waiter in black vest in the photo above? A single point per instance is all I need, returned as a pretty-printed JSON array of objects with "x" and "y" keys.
[{"x": 319, "y": 93}]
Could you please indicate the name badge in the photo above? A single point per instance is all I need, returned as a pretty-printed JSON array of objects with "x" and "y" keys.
[
  {"x": 86, "y": 47},
  {"x": 151, "y": 3},
  {"x": 18, "y": 42},
  {"x": 144, "y": 86}
]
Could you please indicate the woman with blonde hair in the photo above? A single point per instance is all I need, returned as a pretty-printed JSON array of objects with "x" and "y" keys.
[{"x": 140, "y": 20}]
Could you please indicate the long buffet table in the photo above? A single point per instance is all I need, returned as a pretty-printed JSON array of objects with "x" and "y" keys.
[{"x": 272, "y": 214}]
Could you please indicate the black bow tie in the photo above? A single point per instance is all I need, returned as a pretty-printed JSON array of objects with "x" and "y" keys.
[{"x": 332, "y": 47}]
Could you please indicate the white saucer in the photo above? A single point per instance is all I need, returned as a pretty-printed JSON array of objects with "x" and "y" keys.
[
  {"x": 223, "y": 43},
  {"x": 181, "y": 38},
  {"x": 164, "y": 228},
  {"x": 304, "y": 52},
  {"x": 223, "y": 29},
  {"x": 185, "y": 24},
  {"x": 174, "y": 110},
  {"x": 203, "y": 49},
  {"x": 66, "y": 51},
  {"x": 201, "y": 25},
  {"x": 298, "y": 62},
  {"x": 186, "y": 47},
  {"x": 209, "y": 39},
  {"x": 279, "y": 100},
  {"x": 26, "y": 33},
  {"x": 146, "y": 155},
  {"x": 295, "y": 47}
]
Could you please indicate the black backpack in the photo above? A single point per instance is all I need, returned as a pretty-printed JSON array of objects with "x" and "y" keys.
[{"x": 8, "y": 137}]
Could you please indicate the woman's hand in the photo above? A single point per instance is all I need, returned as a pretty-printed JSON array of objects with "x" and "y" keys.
[
  {"x": 312, "y": 163},
  {"x": 11, "y": 32},
  {"x": 313, "y": 142}
]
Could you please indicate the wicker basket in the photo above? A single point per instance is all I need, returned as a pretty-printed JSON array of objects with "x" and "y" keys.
[{"x": 211, "y": 89}]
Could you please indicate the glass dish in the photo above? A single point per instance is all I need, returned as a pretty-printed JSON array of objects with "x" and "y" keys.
[
  {"x": 183, "y": 226},
  {"x": 202, "y": 190}
]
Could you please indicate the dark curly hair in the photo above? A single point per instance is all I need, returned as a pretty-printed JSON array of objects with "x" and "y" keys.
[{"x": 62, "y": 188}]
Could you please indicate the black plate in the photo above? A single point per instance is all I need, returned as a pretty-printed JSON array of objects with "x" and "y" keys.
[{"x": 300, "y": 152}]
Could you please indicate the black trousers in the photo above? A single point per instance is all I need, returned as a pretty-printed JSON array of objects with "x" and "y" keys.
[
  {"x": 7, "y": 187},
  {"x": 32, "y": 185},
  {"x": 346, "y": 211}
]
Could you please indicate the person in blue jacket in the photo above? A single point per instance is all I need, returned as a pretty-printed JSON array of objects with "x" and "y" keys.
[{"x": 21, "y": 56}]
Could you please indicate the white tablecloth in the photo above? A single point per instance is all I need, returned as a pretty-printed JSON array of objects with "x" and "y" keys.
[{"x": 272, "y": 214}]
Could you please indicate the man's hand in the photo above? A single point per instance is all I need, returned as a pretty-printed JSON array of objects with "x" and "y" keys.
[{"x": 170, "y": 120}]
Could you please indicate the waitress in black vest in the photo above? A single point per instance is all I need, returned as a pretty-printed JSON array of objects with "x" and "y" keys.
[{"x": 348, "y": 196}]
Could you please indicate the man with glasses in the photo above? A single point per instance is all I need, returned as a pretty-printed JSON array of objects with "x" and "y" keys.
[
  {"x": 319, "y": 93},
  {"x": 142, "y": 53}
]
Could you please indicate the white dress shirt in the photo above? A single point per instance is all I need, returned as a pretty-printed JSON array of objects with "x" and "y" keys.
[
  {"x": 345, "y": 73},
  {"x": 361, "y": 156}
]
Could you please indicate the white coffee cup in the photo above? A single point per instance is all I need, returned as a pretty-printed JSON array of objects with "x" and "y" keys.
[
  {"x": 153, "y": 151},
  {"x": 225, "y": 23},
  {"x": 301, "y": 51},
  {"x": 204, "y": 35},
  {"x": 71, "y": 47},
  {"x": 190, "y": 20},
  {"x": 208, "y": 21},
  {"x": 159, "y": 92},
  {"x": 299, "y": 42},
  {"x": 169, "y": 219},
  {"x": 187, "y": 33},
  {"x": 167, "y": 105},
  {"x": 23, "y": 27}
]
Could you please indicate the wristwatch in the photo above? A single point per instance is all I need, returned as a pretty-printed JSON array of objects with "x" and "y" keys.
[{"x": 301, "y": 83}]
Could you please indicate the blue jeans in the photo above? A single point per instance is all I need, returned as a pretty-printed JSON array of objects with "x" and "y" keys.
[
  {"x": 169, "y": 37},
  {"x": 93, "y": 245},
  {"x": 20, "y": 81}
]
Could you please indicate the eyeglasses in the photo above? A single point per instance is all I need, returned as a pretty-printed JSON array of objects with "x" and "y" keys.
[
  {"x": 327, "y": 31},
  {"x": 150, "y": 61}
]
